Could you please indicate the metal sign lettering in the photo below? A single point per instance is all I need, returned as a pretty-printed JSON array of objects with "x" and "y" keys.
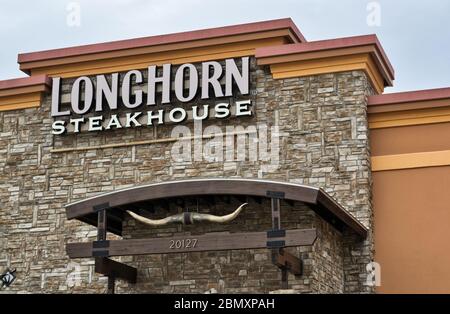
[{"x": 94, "y": 102}]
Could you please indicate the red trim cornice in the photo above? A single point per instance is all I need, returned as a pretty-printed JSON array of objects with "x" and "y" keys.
[
  {"x": 25, "y": 82},
  {"x": 323, "y": 45},
  {"x": 411, "y": 96},
  {"x": 257, "y": 27}
]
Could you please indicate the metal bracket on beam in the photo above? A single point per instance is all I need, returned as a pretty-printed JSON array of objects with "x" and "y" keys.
[
  {"x": 100, "y": 248},
  {"x": 275, "y": 238},
  {"x": 276, "y": 233},
  {"x": 100, "y": 207},
  {"x": 275, "y": 194},
  {"x": 276, "y": 244}
]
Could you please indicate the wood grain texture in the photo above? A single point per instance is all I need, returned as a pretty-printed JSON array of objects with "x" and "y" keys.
[{"x": 217, "y": 241}]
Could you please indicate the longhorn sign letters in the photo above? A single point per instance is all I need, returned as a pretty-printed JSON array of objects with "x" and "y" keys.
[{"x": 110, "y": 101}]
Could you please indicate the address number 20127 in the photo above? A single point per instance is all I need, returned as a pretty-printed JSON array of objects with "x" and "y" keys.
[{"x": 183, "y": 244}]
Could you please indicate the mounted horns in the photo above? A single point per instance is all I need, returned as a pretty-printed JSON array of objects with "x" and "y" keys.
[{"x": 187, "y": 218}]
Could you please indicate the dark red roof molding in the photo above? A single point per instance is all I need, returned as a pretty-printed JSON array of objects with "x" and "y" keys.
[
  {"x": 25, "y": 82},
  {"x": 322, "y": 45},
  {"x": 412, "y": 96},
  {"x": 165, "y": 39}
]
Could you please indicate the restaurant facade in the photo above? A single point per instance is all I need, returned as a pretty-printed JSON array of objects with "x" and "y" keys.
[{"x": 240, "y": 159}]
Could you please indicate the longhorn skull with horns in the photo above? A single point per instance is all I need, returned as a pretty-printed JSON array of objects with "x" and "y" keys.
[{"x": 187, "y": 218}]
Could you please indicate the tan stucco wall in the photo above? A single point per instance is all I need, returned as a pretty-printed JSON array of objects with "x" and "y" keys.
[
  {"x": 412, "y": 213},
  {"x": 410, "y": 139}
]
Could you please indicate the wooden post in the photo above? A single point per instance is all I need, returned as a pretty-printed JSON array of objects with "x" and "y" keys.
[
  {"x": 276, "y": 225},
  {"x": 101, "y": 236},
  {"x": 104, "y": 265},
  {"x": 284, "y": 278},
  {"x": 111, "y": 284},
  {"x": 101, "y": 225}
]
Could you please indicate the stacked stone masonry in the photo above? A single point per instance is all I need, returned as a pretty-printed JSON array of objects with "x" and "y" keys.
[{"x": 324, "y": 143}]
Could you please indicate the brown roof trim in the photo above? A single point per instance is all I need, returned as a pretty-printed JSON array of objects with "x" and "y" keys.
[
  {"x": 329, "y": 44},
  {"x": 411, "y": 96},
  {"x": 25, "y": 82},
  {"x": 115, "y": 202},
  {"x": 165, "y": 39}
]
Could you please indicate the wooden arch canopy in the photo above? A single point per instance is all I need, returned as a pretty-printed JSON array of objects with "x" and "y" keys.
[{"x": 116, "y": 202}]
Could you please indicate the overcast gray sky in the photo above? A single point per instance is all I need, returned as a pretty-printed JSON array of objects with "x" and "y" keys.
[{"x": 414, "y": 33}]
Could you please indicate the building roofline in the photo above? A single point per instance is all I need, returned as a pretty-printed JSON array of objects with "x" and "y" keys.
[
  {"x": 409, "y": 96},
  {"x": 25, "y": 82},
  {"x": 329, "y": 44},
  {"x": 218, "y": 32}
]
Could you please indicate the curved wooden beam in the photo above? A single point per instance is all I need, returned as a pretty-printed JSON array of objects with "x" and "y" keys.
[{"x": 319, "y": 200}]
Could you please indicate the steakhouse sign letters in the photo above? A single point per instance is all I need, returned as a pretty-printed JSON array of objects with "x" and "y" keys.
[{"x": 129, "y": 91}]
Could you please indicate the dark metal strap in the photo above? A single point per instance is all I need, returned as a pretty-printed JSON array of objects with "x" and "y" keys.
[
  {"x": 275, "y": 194},
  {"x": 101, "y": 206},
  {"x": 100, "y": 248},
  {"x": 281, "y": 233},
  {"x": 276, "y": 244}
]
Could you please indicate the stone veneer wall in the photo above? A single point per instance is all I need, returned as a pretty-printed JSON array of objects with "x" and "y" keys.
[
  {"x": 239, "y": 271},
  {"x": 324, "y": 143},
  {"x": 327, "y": 146}
]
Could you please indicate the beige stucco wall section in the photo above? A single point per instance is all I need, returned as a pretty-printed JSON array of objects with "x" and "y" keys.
[
  {"x": 412, "y": 231},
  {"x": 412, "y": 212}
]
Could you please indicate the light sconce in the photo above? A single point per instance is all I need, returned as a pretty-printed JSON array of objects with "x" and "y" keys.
[{"x": 8, "y": 277}]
